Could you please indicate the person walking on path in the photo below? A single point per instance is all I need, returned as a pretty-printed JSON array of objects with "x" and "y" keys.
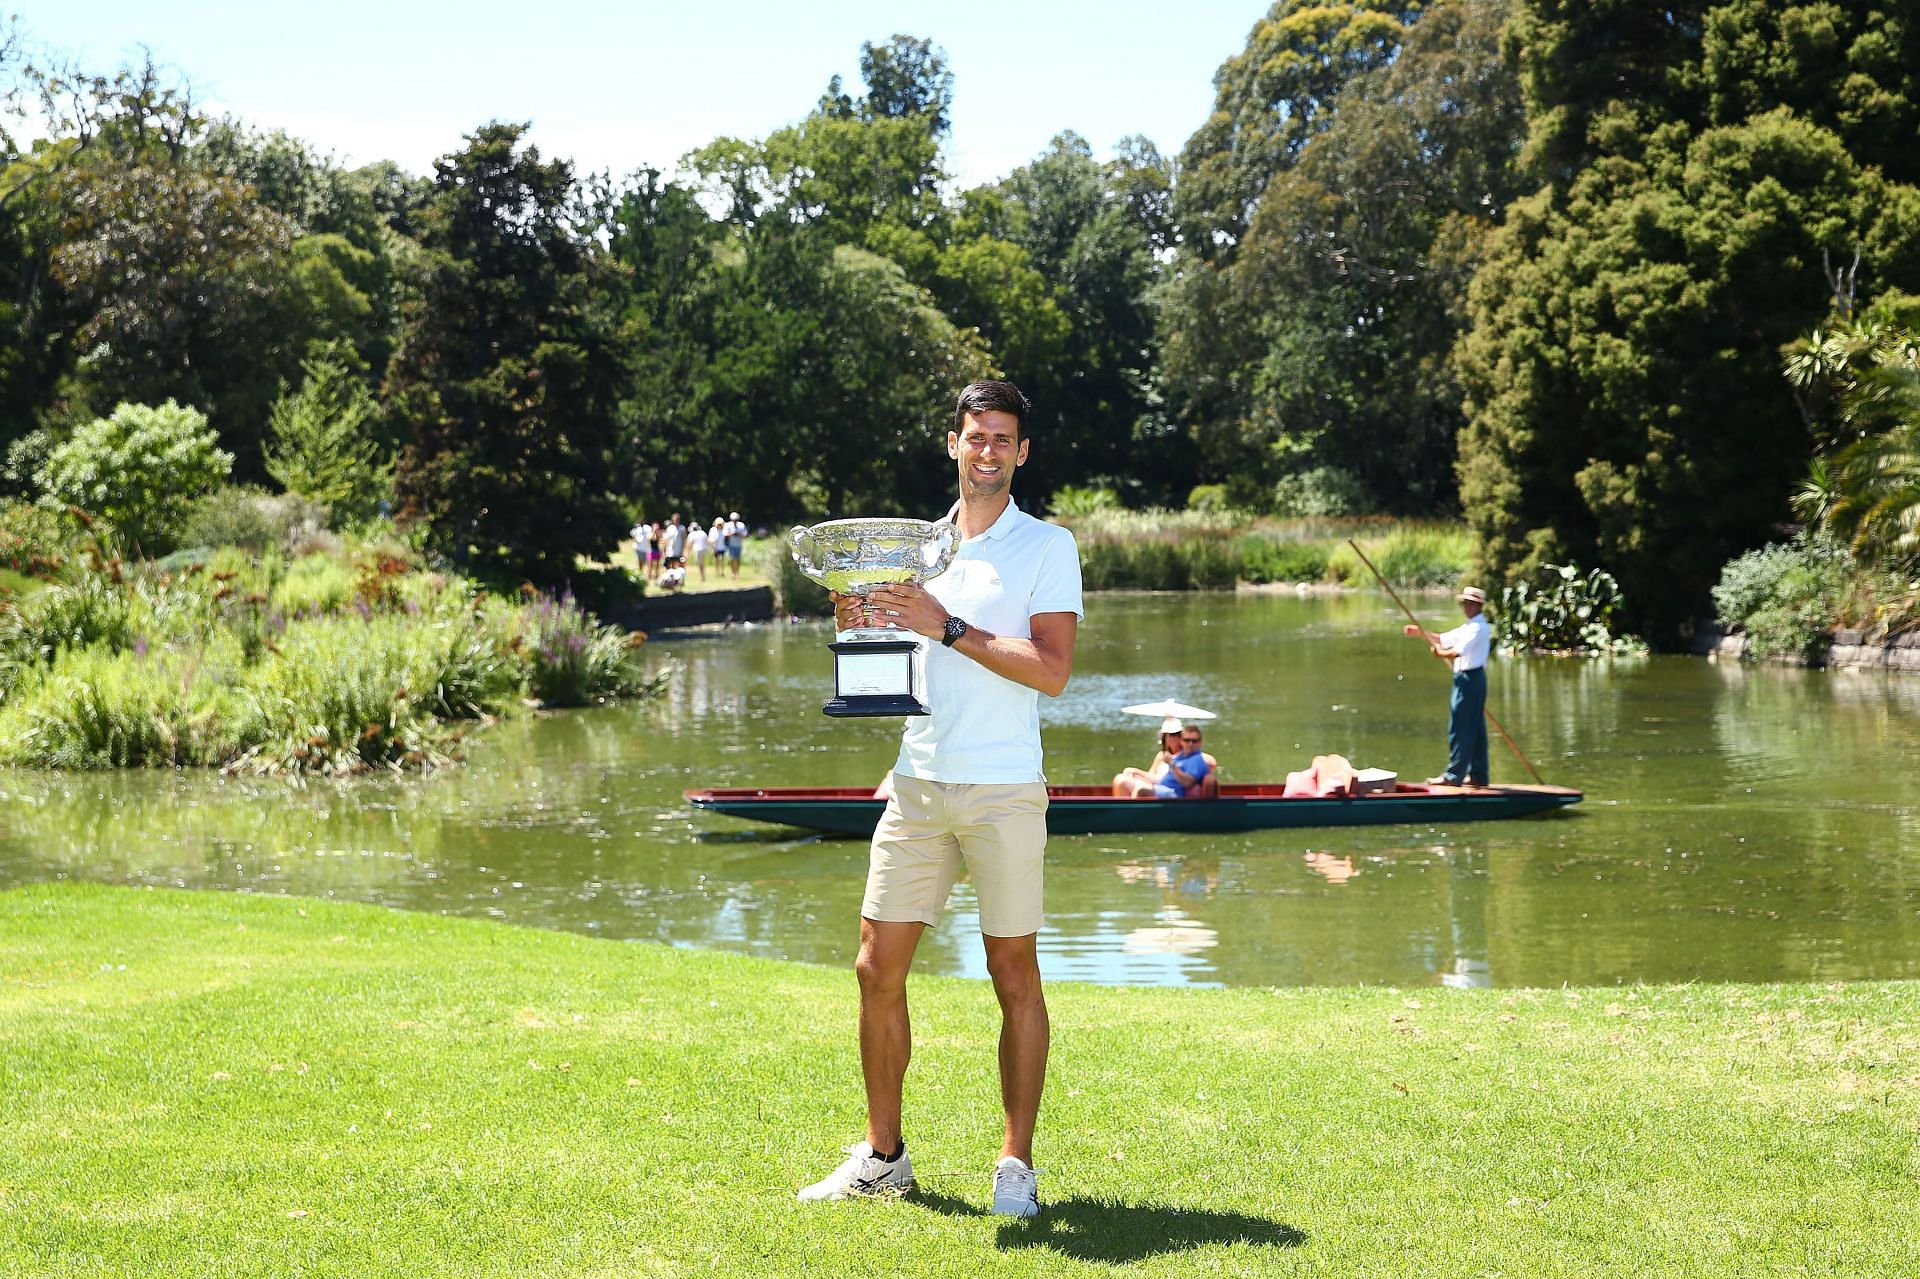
[
  {"x": 674, "y": 544},
  {"x": 1467, "y": 646},
  {"x": 967, "y": 792},
  {"x": 736, "y": 541},
  {"x": 646, "y": 549}
]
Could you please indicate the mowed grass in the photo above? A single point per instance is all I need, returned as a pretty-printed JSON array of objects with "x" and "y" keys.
[{"x": 205, "y": 1084}]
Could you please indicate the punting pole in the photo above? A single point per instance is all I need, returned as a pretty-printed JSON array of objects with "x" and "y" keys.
[{"x": 1504, "y": 734}]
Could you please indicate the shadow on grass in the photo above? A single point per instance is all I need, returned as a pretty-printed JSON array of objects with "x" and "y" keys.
[{"x": 1111, "y": 1231}]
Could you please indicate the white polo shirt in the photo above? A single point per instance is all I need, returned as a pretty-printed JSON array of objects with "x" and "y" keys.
[
  {"x": 1473, "y": 640},
  {"x": 985, "y": 729}
]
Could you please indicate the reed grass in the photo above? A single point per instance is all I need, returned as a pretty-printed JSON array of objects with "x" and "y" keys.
[
  {"x": 328, "y": 664},
  {"x": 1187, "y": 550}
]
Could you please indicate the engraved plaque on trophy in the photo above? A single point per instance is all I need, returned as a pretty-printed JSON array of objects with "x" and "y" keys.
[{"x": 874, "y": 666}]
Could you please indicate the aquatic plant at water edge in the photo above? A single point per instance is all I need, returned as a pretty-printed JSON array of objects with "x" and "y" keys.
[
  {"x": 794, "y": 593},
  {"x": 1417, "y": 556},
  {"x": 1161, "y": 564},
  {"x": 571, "y": 660},
  {"x": 96, "y": 707},
  {"x": 1566, "y": 611}
]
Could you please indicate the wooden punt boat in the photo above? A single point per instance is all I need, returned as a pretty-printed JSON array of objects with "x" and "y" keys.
[{"x": 1093, "y": 810}]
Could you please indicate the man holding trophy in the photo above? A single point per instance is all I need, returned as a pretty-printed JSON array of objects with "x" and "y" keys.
[{"x": 997, "y": 629}]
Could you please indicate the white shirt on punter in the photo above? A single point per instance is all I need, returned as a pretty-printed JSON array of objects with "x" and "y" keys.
[
  {"x": 984, "y": 728},
  {"x": 1473, "y": 640}
]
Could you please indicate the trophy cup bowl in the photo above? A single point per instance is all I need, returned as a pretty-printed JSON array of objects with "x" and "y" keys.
[{"x": 874, "y": 667}]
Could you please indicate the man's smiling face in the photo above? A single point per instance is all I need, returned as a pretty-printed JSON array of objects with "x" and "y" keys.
[{"x": 988, "y": 447}]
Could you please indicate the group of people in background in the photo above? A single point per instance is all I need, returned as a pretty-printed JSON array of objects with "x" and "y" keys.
[{"x": 664, "y": 551}]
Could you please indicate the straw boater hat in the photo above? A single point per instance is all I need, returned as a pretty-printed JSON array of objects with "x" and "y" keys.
[{"x": 1473, "y": 593}]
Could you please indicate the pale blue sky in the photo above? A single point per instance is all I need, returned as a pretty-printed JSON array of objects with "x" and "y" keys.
[{"x": 618, "y": 86}]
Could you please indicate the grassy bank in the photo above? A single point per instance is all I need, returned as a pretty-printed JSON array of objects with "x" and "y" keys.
[{"x": 214, "y": 1084}]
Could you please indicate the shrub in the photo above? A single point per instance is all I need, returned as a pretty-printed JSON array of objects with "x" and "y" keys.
[
  {"x": 315, "y": 585},
  {"x": 1207, "y": 497},
  {"x": 1567, "y": 612},
  {"x": 1265, "y": 560},
  {"x": 139, "y": 469},
  {"x": 252, "y": 519},
  {"x": 36, "y": 540},
  {"x": 24, "y": 458},
  {"x": 1069, "y": 501},
  {"x": 794, "y": 593},
  {"x": 1324, "y": 490},
  {"x": 1785, "y": 595}
]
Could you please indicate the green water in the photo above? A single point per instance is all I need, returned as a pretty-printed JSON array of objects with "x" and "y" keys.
[{"x": 1742, "y": 823}]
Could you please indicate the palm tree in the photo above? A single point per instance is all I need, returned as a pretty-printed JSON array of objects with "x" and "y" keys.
[{"x": 1864, "y": 487}]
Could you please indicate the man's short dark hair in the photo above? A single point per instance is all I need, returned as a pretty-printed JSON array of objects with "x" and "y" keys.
[{"x": 992, "y": 396}]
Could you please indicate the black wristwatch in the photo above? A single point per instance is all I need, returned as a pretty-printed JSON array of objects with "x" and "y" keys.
[{"x": 955, "y": 629}]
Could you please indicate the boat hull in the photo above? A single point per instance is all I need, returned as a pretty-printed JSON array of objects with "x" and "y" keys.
[{"x": 1087, "y": 810}]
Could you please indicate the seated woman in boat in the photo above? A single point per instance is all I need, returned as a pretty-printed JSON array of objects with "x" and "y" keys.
[{"x": 1138, "y": 783}]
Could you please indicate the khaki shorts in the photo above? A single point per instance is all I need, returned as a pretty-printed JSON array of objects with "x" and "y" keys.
[{"x": 930, "y": 828}]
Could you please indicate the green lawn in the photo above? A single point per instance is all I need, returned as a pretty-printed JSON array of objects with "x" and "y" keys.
[{"x": 204, "y": 1084}]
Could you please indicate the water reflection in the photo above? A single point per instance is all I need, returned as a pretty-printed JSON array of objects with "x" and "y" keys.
[{"x": 1743, "y": 823}]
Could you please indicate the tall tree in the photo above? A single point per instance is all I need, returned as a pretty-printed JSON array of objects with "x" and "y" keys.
[
  {"x": 1271, "y": 99},
  {"x": 1090, "y": 231},
  {"x": 504, "y": 378},
  {"x": 1308, "y": 347}
]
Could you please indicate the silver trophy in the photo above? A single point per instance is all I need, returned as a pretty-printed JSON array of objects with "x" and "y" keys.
[{"x": 874, "y": 667}]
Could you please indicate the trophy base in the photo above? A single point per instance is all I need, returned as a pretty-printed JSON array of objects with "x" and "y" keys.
[
  {"x": 874, "y": 675},
  {"x": 859, "y": 706}
]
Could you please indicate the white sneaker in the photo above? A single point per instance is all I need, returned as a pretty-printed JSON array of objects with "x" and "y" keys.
[
  {"x": 864, "y": 1173},
  {"x": 1016, "y": 1188}
]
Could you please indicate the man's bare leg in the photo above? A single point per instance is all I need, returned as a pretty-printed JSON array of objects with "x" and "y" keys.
[
  {"x": 1014, "y": 965},
  {"x": 886, "y": 1033}
]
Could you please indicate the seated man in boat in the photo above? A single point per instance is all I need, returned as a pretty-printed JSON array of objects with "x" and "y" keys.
[
  {"x": 1196, "y": 776},
  {"x": 1191, "y": 773}
]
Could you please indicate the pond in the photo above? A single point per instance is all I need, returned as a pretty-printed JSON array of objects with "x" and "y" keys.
[{"x": 1741, "y": 823}]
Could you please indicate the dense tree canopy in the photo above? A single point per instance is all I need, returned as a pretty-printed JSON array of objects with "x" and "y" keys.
[{"x": 1700, "y": 180}]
